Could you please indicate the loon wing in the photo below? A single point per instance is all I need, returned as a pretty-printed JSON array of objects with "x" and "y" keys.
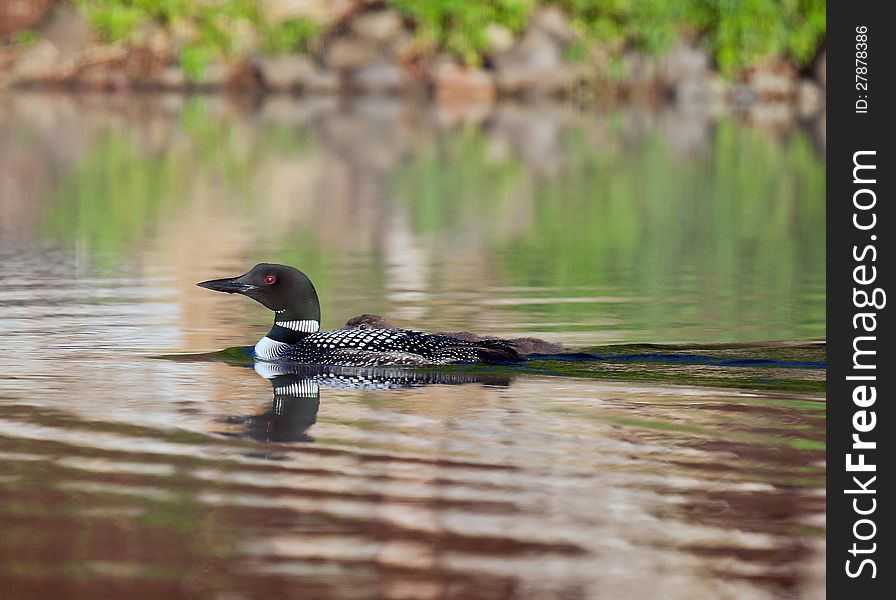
[{"x": 367, "y": 347}]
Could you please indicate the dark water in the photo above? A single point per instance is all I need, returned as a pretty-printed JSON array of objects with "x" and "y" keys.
[{"x": 679, "y": 453}]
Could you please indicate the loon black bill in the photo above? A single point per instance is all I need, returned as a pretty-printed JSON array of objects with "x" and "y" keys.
[{"x": 231, "y": 285}]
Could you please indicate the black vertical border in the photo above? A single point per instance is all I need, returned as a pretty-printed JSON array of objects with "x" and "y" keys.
[{"x": 847, "y": 133}]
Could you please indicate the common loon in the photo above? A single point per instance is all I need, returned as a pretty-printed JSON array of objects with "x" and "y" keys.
[{"x": 296, "y": 336}]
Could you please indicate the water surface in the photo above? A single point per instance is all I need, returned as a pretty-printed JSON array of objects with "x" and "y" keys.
[{"x": 679, "y": 454}]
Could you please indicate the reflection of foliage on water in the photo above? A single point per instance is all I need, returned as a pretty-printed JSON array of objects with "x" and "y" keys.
[
  {"x": 129, "y": 181},
  {"x": 454, "y": 180},
  {"x": 114, "y": 195},
  {"x": 605, "y": 214},
  {"x": 671, "y": 237}
]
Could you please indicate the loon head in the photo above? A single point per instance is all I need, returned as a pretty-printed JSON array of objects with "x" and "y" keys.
[{"x": 285, "y": 290}]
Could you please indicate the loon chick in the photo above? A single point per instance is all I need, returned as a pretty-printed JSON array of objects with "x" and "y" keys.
[
  {"x": 523, "y": 345},
  {"x": 295, "y": 335}
]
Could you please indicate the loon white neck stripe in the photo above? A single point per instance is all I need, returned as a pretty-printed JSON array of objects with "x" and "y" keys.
[{"x": 308, "y": 325}]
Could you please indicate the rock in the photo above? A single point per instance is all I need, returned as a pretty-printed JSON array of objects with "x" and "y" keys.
[
  {"x": 348, "y": 52},
  {"x": 241, "y": 76},
  {"x": 95, "y": 78},
  {"x": 40, "y": 62},
  {"x": 773, "y": 82},
  {"x": 639, "y": 69},
  {"x": 171, "y": 77},
  {"x": 157, "y": 40},
  {"x": 403, "y": 48},
  {"x": 293, "y": 73},
  {"x": 683, "y": 72},
  {"x": 720, "y": 87},
  {"x": 537, "y": 51},
  {"x": 380, "y": 26},
  {"x": 378, "y": 78},
  {"x": 682, "y": 63},
  {"x": 17, "y": 15},
  {"x": 743, "y": 95},
  {"x": 322, "y": 82},
  {"x": 535, "y": 64},
  {"x": 720, "y": 92},
  {"x": 500, "y": 39},
  {"x": 809, "y": 98},
  {"x": 561, "y": 80},
  {"x": 455, "y": 84},
  {"x": 284, "y": 72},
  {"x": 183, "y": 32},
  {"x": 105, "y": 68},
  {"x": 769, "y": 85},
  {"x": 215, "y": 75},
  {"x": 553, "y": 21},
  {"x": 244, "y": 38},
  {"x": 694, "y": 91},
  {"x": 322, "y": 12},
  {"x": 66, "y": 27}
]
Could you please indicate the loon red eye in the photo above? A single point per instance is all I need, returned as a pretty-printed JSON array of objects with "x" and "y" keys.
[{"x": 269, "y": 279}]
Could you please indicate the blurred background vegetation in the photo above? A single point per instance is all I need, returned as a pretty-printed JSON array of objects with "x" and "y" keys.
[
  {"x": 736, "y": 33},
  {"x": 211, "y": 28}
]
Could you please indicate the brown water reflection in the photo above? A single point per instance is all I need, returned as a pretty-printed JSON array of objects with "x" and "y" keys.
[
  {"x": 533, "y": 489},
  {"x": 127, "y": 475}
]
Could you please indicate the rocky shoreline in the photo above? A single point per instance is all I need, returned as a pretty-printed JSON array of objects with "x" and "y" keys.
[{"x": 372, "y": 51}]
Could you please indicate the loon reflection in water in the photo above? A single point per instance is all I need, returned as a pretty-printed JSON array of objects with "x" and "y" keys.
[{"x": 297, "y": 394}]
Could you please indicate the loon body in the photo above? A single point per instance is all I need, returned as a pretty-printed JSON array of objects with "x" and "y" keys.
[{"x": 296, "y": 336}]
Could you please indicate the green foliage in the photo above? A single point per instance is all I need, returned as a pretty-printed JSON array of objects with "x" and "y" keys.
[
  {"x": 736, "y": 32},
  {"x": 193, "y": 60},
  {"x": 24, "y": 38},
  {"x": 213, "y": 25},
  {"x": 760, "y": 28},
  {"x": 648, "y": 24},
  {"x": 460, "y": 26},
  {"x": 289, "y": 36},
  {"x": 113, "y": 19}
]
